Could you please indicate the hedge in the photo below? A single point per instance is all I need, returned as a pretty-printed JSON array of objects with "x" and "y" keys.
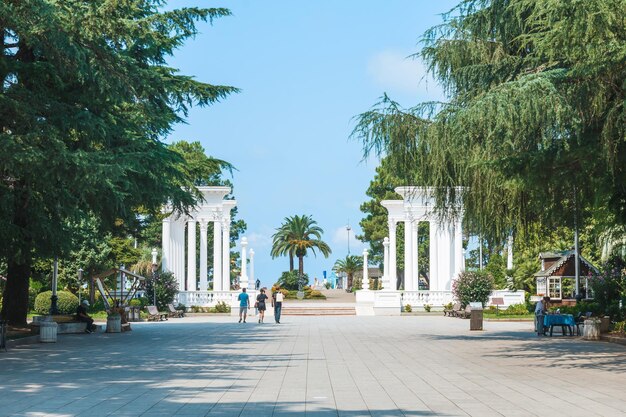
[{"x": 66, "y": 303}]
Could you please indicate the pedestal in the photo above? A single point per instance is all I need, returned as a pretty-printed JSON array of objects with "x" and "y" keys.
[
  {"x": 365, "y": 303},
  {"x": 591, "y": 329},
  {"x": 387, "y": 303}
]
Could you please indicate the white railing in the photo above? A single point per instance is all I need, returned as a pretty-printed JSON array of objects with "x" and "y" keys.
[
  {"x": 435, "y": 299},
  {"x": 438, "y": 299},
  {"x": 509, "y": 297},
  {"x": 204, "y": 298}
]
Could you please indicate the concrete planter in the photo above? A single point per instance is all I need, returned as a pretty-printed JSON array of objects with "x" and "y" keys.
[
  {"x": 48, "y": 331},
  {"x": 114, "y": 324},
  {"x": 591, "y": 330}
]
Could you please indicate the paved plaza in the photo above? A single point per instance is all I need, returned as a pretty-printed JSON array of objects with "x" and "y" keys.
[{"x": 315, "y": 366}]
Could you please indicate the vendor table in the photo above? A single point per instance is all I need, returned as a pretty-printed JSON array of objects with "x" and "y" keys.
[{"x": 562, "y": 320}]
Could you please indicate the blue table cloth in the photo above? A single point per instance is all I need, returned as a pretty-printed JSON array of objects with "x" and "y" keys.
[{"x": 558, "y": 320}]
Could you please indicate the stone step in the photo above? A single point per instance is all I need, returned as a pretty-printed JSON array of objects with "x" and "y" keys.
[{"x": 318, "y": 311}]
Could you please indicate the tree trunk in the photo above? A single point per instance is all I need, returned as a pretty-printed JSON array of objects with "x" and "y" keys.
[
  {"x": 15, "y": 298},
  {"x": 290, "y": 262},
  {"x": 301, "y": 264},
  {"x": 350, "y": 279}
]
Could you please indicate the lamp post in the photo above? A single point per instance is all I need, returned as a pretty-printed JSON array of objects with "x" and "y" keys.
[
  {"x": 54, "y": 309},
  {"x": 348, "y": 228},
  {"x": 80, "y": 282},
  {"x": 154, "y": 276}
]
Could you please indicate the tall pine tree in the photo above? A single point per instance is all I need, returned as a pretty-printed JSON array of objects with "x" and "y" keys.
[{"x": 86, "y": 98}]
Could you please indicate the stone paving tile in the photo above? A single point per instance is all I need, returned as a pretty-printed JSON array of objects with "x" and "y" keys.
[{"x": 315, "y": 366}]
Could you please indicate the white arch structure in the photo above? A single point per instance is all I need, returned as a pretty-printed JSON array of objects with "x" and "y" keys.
[
  {"x": 446, "y": 240},
  {"x": 192, "y": 283}
]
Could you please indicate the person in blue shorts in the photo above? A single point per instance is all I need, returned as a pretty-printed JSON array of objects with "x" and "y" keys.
[{"x": 244, "y": 305}]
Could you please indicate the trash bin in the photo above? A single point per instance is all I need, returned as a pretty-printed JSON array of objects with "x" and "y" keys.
[
  {"x": 476, "y": 316},
  {"x": 48, "y": 330},
  {"x": 114, "y": 323}
]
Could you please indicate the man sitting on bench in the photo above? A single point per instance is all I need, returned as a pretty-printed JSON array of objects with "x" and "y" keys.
[{"x": 82, "y": 316}]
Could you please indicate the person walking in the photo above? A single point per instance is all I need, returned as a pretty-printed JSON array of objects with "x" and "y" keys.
[
  {"x": 277, "y": 303},
  {"x": 244, "y": 305},
  {"x": 260, "y": 304}
]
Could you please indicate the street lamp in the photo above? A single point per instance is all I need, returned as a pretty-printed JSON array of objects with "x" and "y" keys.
[
  {"x": 80, "y": 282},
  {"x": 348, "y": 228},
  {"x": 54, "y": 309},
  {"x": 154, "y": 275}
]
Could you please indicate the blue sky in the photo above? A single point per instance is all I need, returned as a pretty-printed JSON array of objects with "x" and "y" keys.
[{"x": 305, "y": 70}]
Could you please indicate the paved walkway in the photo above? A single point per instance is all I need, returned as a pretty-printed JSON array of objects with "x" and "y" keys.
[{"x": 318, "y": 366}]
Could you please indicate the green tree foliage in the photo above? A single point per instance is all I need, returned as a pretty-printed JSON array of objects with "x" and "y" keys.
[
  {"x": 473, "y": 286},
  {"x": 298, "y": 235},
  {"x": 86, "y": 98},
  {"x": 534, "y": 124},
  {"x": 609, "y": 289},
  {"x": 349, "y": 266}
]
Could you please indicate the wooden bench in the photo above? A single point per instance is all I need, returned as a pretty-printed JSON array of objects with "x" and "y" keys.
[
  {"x": 174, "y": 312},
  {"x": 464, "y": 314},
  {"x": 154, "y": 315},
  {"x": 452, "y": 311}
]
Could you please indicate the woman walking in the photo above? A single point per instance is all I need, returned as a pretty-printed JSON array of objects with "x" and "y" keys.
[{"x": 260, "y": 301}]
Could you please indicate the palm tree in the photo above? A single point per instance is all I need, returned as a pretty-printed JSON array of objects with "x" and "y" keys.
[
  {"x": 280, "y": 244},
  {"x": 349, "y": 266},
  {"x": 295, "y": 237}
]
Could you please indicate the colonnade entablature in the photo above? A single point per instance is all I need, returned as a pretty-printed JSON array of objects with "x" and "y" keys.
[
  {"x": 446, "y": 257},
  {"x": 212, "y": 208}
]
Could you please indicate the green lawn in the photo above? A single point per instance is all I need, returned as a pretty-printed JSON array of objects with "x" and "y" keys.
[{"x": 508, "y": 316}]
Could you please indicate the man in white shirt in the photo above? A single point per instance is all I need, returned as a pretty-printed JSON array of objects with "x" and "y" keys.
[{"x": 277, "y": 303}]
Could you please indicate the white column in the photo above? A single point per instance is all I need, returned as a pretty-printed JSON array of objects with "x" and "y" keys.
[
  {"x": 386, "y": 285},
  {"x": 459, "y": 259},
  {"x": 203, "y": 255},
  {"x": 179, "y": 255},
  {"x": 408, "y": 256},
  {"x": 191, "y": 255},
  {"x": 366, "y": 278},
  {"x": 414, "y": 263},
  {"x": 443, "y": 252},
  {"x": 218, "y": 282},
  {"x": 252, "y": 268},
  {"x": 433, "y": 273},
  {"x": 226, "y": 254},
  {"x": 244, "y": 263},
  {"x": 166, "y": 244},
  {"x": 392, "y": 255}
]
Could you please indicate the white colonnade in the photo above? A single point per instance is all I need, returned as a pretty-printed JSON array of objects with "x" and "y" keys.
[
  {"x": 446, "y": 240},
  {"x": 213, "y": 209}
]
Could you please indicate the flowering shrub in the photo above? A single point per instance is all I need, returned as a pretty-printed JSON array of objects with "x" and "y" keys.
[{"x": 473, "y": 286}]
